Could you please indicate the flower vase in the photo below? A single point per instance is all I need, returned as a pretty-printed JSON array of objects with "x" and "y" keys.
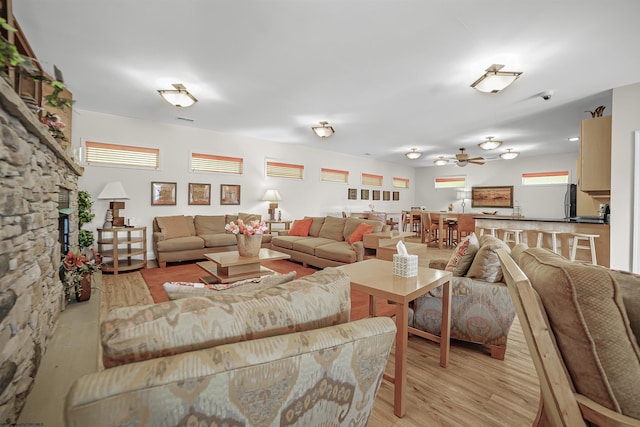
[
  {"x": 249, "y": 246},
  {"x": 85, "y": 288}
]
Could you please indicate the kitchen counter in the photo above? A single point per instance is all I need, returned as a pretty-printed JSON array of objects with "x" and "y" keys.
[
  {"x": 564, "y": 228},
  {"x": 577, "y": 220}
]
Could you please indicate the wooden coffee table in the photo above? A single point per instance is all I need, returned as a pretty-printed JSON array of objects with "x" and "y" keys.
[
  {"x": 227, "y": 267},
  {"x": 375, "y": 277}
]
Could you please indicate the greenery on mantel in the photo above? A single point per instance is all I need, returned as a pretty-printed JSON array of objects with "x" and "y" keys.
[{"x": 85, "y": 216}]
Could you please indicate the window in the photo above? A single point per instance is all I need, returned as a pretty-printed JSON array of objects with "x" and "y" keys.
[
  {"x": 212, "y": 163},
  {"x": 334, "y": 175},
  {"x": 400, "y": 182},
  {"x": 124, "y": 155},
  {"x": 543, "y": 178},
  {"x": 451, "y": 182},
  {"x": 370, "y": 179},
  {"x": 285, "y": 170}
]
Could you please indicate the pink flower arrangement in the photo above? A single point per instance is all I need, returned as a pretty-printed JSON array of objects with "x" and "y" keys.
[
  {"x": 254, "y": 227},
  {"x": 54, "y": 124}
]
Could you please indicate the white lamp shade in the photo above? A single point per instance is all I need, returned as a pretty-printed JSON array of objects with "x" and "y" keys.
[
  {"x": 113, "y": 191},
  {"x": 413, "y": 154},
  {"x": 490, "y": 144},
  {"x": 463, "y": 194},
  {"x": 324, "y": 131},
  {"x": 509, "y": 155},
  {"x": 271, "y": 196}
]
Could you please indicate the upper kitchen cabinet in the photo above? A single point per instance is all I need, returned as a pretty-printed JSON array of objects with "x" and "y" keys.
[{"x": 595, "y": 157}]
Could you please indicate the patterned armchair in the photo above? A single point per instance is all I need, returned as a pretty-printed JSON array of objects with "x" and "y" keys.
[
  {"x": 481, "y": 308},
  {"x": 285, "y": 355}
]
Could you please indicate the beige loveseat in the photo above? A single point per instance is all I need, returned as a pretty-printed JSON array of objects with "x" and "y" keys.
[
  {"x": 327, "y": 242},
  {"x": 284, "y": 355},
  {"x": 185, "y": 238}
]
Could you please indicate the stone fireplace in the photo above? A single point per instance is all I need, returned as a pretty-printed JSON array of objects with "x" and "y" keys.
[{"x": 33, "y": 170}]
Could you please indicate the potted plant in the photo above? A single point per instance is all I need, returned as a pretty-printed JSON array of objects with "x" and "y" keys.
[
  {"x": 76, "y": 273},
  {"x": 249, "y": 236},
  {"x": 85, "y": 216}
]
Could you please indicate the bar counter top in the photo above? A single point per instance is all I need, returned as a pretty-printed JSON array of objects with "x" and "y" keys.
[{"x": 576, "y": 220}]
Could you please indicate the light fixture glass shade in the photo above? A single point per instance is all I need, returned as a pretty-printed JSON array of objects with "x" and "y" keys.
[
  {"x": 463, "y": 194},
  {"x": 440, "y": 161},
  {"x": 413, "y": 154},
  {"x": 113, "y": 191},
  {"x": 490, "y": 144},
  {"x": 325, "y": 130},
  {"x": 493, "y": 81},
  {"x": 178, "y": 97},
  {"x": 509, "y": 155},
  {"x": 271, "y": 196}
]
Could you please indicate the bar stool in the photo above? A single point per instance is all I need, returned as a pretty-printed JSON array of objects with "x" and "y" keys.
[
  {"x": 554, "y": 240},
  {"x": 577, "y": 237},
  {"x": 492, "y": 231},
  {"x": 511, "y": 236}
]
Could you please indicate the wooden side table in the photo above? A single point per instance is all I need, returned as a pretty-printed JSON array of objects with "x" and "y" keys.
[
  {"x": 286, "y": 224},
  {"x": 126, "y": 247}
]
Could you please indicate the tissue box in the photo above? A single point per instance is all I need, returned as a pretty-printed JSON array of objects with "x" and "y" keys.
[{"x": 405, "y": 265}]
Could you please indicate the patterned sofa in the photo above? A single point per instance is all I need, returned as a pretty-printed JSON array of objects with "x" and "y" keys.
[
  {"x": 481, "y": 308},
  {"x": 284, "y": 355}
]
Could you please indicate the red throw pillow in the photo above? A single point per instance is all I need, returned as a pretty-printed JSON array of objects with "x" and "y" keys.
[
  {"x": 300, "y": 227},
  {"x": 362, "y": 229}
]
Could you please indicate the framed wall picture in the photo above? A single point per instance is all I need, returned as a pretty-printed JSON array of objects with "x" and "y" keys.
[
  {"x": 396, "y": 195},
  {"x": 492, "y": 197},
  {"x": 376, "y": 195},
  {"x": 386, "y": 195},
  {"x": 163, "y": 193},
  {"x": 364, "y": 194},
  {"x": 199, "y": 194},
  {"x": 229, "y": 194},
  {"x": 353, "y": 194}
]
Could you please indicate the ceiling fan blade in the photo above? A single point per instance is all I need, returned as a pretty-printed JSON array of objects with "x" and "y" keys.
[
  {"x": 476, "y": 158},
  {"x": 475, "y": 162}
]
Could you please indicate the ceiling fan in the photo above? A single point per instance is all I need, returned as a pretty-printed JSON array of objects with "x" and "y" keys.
[{"x": 462, "y": 159}]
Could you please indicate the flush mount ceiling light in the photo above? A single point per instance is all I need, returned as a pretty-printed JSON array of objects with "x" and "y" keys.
[
  {"x": 413, "y": 154},
  {"x": 509, "y": 155},
  {"x": 325, "y": 130},
  {"x": 441, "y": 161},
  {"x": 490, "y": 144},
  {"x": 494, "y": 80},
  {"x": 178, "y": 97}
]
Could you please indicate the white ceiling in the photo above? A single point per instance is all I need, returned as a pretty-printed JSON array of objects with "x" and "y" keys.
[{"x": 389, "y": 75}]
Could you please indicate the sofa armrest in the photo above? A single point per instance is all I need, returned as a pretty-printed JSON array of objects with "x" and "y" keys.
[
  {"x": 358, "y": 247},
  {"x": 438, "y": 263},
  {"x": 283, "y": 232},
  {"x": 158, "y": 236},
  {"x": 221, "y": 383}
]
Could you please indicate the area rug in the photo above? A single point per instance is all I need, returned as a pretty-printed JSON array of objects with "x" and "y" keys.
[{"x": 190, "y": 272}]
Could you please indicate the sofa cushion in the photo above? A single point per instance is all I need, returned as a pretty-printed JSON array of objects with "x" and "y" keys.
[
  {"x": 173, "y": 226},
  {"x": 229, "y": 218},
  {"x": 362, "y": 229},
  {"x": 486, "y": 265},
  {"x": 248, "y": 217},
  {"x": 131, "y": 334},
  {"x": 630, "y": 290},
  {"x": 316, "y": 225},
  {"x": 352, "y": 223},
  {"x": 333, "y": 228},
  {"x": 177, "y": 290},
  {"x": 180, "y": 244},
  {"x": 308, "y": 245},
  {"x": 209, "y": 224},
  {"x": 285, "y": 242},
  {"x": 219, "y": 239},
  {"x": 337, "y": 251},
  {"x": 586, "y": 312},
  {"x": 463, "y": 255},
  {"x": 300, "y": 227}
]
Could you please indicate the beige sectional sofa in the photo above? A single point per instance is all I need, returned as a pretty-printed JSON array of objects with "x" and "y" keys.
[
  {"x": 327, "y": 243},
  {"x": 184, "y": 238},
  {"x": 284, "y": 355}
]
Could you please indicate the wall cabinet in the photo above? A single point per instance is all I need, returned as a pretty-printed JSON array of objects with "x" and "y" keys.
[
  {"x": 122, "y": 249},
  {"x": 594, "y": 177}
]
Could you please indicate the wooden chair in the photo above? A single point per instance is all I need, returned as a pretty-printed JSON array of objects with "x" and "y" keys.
[
  {"x": 430, "y": 228},
  {"x": 559, "y": 404},
  {"x": 466, "y": 225}
]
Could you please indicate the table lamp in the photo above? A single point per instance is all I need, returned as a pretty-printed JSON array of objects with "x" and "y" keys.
[
  {"x": 114, "y": 191},
  {"x": 272, "y": 196},
  {"x": 463, "y": 195}
]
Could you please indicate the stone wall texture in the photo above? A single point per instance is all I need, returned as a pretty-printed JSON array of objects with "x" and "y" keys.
[{"x": 32, "y": 171}]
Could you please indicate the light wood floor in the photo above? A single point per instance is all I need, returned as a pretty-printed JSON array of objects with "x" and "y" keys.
[{"x": 475, "y": 390}]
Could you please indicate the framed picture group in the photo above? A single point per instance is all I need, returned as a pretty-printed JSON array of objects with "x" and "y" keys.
[
  {"x": 165, "y": 193},
  {"x": 352, "y": 194}
]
